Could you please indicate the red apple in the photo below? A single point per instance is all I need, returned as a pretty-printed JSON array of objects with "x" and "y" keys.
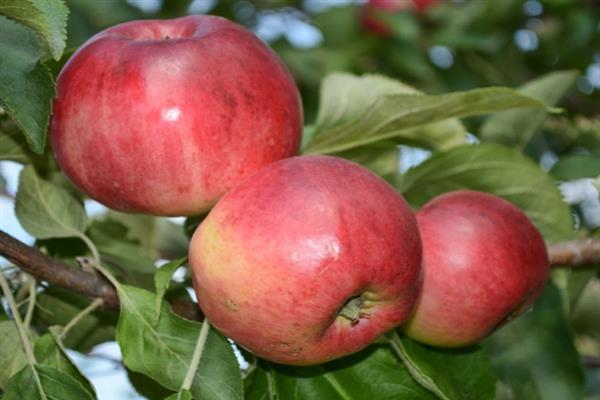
[
  {"x": 484, "y": 263},
  {"x": 311, "y": 259},
  {"x": 164, "y": 116}
]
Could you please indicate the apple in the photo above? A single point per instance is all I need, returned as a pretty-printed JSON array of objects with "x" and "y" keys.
[
  {"x": 310, "y": 259},
  {"x": 164, "y": 116},
  {"x": 370, "y": 11},
  {"x": 484, "y": 264}
]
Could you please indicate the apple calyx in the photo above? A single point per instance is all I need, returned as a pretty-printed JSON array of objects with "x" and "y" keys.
[{"x": 355, "y": 309}]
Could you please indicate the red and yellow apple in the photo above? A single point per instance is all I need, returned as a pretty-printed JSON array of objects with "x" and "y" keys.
[
  {"x": 164, "y": 116},
  {"x": 310, "y": 259},
  {"x": 484, "y": 263}
]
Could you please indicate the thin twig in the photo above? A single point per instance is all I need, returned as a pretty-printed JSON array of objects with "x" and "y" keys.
[
  {"x": 89, "y": 309},
  {"x": 32, "y": 299},
  {"x": 22, "y": 330}
]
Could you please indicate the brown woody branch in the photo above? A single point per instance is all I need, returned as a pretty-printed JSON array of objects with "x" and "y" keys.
[
  {"x": 89, "y": 284},
  {"x": 577, "y": 253}
]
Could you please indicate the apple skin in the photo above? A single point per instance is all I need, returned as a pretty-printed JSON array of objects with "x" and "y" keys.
[
  {"x": 279, "y": 256},
  {"x": 484, "y": 264},
  {"x": 164, "y": 116}
]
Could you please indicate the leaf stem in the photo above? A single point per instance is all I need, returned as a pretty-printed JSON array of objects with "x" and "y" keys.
[
  {"x": 414, "y": 370},
  {"x": 89, "y": 309},
  {"x": 31, "y": 300},
  {"x": 21, "y": 329},
  {"x": 191, "y": 372},
  {"x": 108, "y": 275},
  {"x": 93, "y": 249}
]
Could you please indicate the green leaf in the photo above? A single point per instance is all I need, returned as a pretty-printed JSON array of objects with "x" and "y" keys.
[
  {"x": 191, "y": 223},
  {"x": 141, "y": 228},
  {"x": 181, "y": 395},
  {"x": 48, "y": 18},
  {"x": 344, "y": 96},
  {"x": 403, "y": 26},
  {"x": 47, "y": 211},
  {"x": 153, "y": 237},
  {"x": 162, "y": 279},
  {"x": 534, "y": 355},
  {"x": 12, "y": 356},
  {"x": 439, "y": 135},
  {"x": 50, "y": 352},
  {"x": 382, "y": 158},
  {"x": 577, "y": 167},
  {"x": 57, "y": 306},
  {"x": 585, "y": 319},
  {"x": 258, "y": 385},
  {"x": 112, "y": 239},
  {"x": 171, "y": 241},
  {"x": 13, "y": 147},
  {"x": 347, "y": 100},
  {"x": 578, "y": 280},
  {"x": 146, "y": 387},
  {"x": 460, "y": 374},
  {"x": 26, "y": 86},
  {"x": 516, "y": 127},
  {"x": 374, "y": 373},
  {"x": 163, "y": 350},
  {"x": 347, "y": 122},
  {"x": 495, "y": 169},
  {"x": 56, "y": 385}
]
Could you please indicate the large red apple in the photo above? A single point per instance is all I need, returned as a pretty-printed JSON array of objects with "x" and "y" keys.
[
  {"x": 163, "y": 117},
  {"x": 484, "y": 263},
  {"x": 311, "y": 259}
]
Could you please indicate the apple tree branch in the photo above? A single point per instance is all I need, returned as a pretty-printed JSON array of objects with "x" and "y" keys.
[{"x": 89, "y": 284}]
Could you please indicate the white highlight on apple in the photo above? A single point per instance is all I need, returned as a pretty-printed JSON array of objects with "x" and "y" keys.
[
  {"x": 171, "y": 114},
  {"x": 316, "y": 249}
]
